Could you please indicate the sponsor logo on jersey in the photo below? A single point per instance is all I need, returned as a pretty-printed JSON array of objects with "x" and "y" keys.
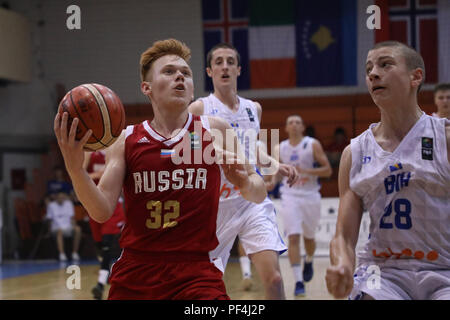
[
  {"x": 427, "y": 148},
  {"x": 234, "y": 124},
  {"x": 427, "y": 142},
  {"x": 395, "y": 167},
  {"x": 250, "y": 115},
  {"x": 226, "y": 189},
  {"x": 366, "y": 159},
  {"x": 195, "y": 140},
  {"x": 143, "y": 140},
  {"x": 406, "y": 253}
]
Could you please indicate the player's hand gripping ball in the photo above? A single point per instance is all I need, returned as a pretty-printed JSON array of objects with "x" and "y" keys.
[{"x": 98, "y": 108}]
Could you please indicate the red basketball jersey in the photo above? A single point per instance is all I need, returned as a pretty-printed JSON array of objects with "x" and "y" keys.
[
  {"x": 96, "y": 163},
  {"x": 170, "y": 207}
]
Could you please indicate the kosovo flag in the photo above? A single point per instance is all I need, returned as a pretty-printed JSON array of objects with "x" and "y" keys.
[{"x": 326, "y": 43}]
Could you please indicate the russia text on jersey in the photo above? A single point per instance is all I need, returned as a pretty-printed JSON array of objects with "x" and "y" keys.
[{"x": 151, "y": 181}]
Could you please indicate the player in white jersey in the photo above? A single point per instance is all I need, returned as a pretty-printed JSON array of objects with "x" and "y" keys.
[
  {"x": 244, "y": 260},
  {"x": 398, "y": 170},
  {"x": 301, "y": 202},
  {"x": 442, "y": 100},
  {"x": 254, "y": 223}
]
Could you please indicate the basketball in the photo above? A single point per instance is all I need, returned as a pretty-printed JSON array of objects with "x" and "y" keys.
[{"x": 98, "y": 108}]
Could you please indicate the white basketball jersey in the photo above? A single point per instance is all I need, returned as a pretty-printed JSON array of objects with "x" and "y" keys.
[
  {"x": 246, "y": 125},
  {"x": 300, "y": 155},
  {"x": 407, "y": 195}
]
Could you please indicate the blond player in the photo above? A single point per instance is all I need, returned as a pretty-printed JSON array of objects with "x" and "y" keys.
[
  {"x": 398, "y": 170},
  {"x": 254, "y": 223}
]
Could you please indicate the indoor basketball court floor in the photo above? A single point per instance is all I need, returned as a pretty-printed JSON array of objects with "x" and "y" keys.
[{"x": 48, "y": 280}]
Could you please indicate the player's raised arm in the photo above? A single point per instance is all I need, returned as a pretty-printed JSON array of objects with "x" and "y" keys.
[
  {"x": 339, "y": 276},
  {"x": 274, "y": 165},
  {"x": 113, "y": 176},
  {"x": 99, "y": 203},
  {"x": 236, "y": 169},
  {"x": 87, "y": 159}
]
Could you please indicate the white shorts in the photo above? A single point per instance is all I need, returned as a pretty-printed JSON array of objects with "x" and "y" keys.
[
  {"x": 400, "y": 284},
  {"x": 255, "y": 224},
  {"x": 300, "y": 214},
  {"x": 67, "y": 232}
]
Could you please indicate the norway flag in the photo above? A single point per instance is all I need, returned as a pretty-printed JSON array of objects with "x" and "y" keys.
[
  {"x": 227, "y": 21},
  {"x": 413, "y": 22}
]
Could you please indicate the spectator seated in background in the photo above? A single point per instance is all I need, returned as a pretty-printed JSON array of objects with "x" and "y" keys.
[
  {"x": 310, "y": 131},
  {"x": 58, "y": 184},
  {"x": 60, "y": 213},
  {"x": 334, "y": 149},
  {"x": 442, "y": 100}
]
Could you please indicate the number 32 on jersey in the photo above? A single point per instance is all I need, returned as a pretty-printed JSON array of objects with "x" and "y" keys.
[{"x": 162, "y": 214}]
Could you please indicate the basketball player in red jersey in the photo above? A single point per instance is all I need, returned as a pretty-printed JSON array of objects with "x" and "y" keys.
[
  {"x": 171, "y": 210},
  {"x": 104, "y": 234}
]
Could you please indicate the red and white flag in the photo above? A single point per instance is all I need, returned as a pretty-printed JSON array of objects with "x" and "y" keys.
[{"x": 415, "y": 22}]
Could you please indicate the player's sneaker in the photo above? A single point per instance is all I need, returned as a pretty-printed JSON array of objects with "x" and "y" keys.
[
  {"x": 246, "y": 284},
  {"x": 97, "y": 292},
  {"x": 299, "y": 289},
  {"x": 75, "y": 257},
  {"x": 62, "y": 257},
  {"x": 308, "y": 271}
]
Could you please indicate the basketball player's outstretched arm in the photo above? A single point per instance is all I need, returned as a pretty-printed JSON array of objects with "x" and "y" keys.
[
  {"x": 98, "y": 201},
  {"x": 275, "y": 166},
  {"x": 277, "y": 177},
  {"x": 339, "y": 276},
  {"x": 236, "y": 168},
  {"x": 263, "y": 159},
  {"x": 87, "y": 159}
]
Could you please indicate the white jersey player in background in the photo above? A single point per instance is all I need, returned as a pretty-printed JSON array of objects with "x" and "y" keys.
[
  {"x": 300, "y": 203},
  {"x": 398, "y": 170},
  {"x": 442, "y": 100},
  {"x": 254, "y": 223}
]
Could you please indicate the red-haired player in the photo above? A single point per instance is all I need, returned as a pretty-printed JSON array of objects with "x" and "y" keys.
[{"x": 171, "y": 209}]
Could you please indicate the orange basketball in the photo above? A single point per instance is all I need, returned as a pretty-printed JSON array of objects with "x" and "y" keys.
[{"x": 98, "y": 108}]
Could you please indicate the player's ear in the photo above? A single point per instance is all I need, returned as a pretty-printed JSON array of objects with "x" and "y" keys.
[
  {"x": 146, "y": 87},
  {"x": 416, "y": 77},
  {"x": 239, "y": 71},
  {"x": 209, "y": 72}
]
